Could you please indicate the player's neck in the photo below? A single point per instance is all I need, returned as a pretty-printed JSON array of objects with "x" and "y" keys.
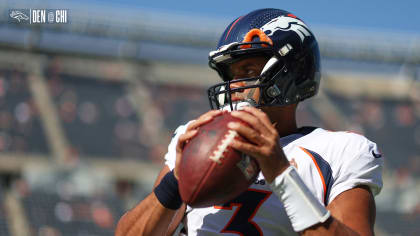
[
  {"x": 284, "y": 118},
  {"x": 286, "y": 127}
]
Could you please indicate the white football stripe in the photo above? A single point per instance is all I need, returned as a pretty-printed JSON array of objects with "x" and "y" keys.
[{"x": 221, "y": 148}]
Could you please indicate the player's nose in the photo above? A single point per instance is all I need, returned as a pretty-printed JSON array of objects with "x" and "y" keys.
[
  {"x": 236, "y": 85},
  {"x": 237, "y": 95}
]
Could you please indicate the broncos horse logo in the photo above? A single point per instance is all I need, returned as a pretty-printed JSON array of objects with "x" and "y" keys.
[
  {"x": 286, "y": 23},
  {"x": 18, "y": 15}
]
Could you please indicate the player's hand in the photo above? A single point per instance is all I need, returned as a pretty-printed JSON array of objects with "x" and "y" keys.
[
  {"x": 263, "y": 143},
  {"x": 190, "y": 132}
]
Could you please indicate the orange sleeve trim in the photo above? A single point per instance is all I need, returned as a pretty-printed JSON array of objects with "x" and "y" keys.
[{"x": 319, "y": 171}]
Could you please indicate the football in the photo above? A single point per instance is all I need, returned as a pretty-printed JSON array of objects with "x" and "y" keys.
[{"x": 211, "y": 172}]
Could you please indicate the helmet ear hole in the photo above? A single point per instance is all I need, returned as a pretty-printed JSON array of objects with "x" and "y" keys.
[{"x": 273, "y": 91}]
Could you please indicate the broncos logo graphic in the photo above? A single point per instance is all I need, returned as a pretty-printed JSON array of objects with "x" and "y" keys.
[
  {"x": 18, "y": 15},
  {"x": 286, "y": 23}
]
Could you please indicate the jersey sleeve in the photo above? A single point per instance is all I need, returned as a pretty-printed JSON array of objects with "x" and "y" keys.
[
  {"x": 362, "y": 168},
  {"x": 170, "y": 156}
]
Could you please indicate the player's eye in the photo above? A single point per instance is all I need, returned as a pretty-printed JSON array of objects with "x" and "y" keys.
[{"x": 250, "y": 72}]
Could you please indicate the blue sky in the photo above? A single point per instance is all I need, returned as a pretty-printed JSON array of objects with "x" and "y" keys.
[{"x": 383, "y": 15}]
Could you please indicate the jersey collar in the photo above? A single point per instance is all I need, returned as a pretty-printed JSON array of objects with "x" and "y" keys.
[{"x": 284, "y": 141}]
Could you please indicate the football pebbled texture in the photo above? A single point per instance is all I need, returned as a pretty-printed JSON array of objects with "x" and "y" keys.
[{"x": 211, "y": 172}]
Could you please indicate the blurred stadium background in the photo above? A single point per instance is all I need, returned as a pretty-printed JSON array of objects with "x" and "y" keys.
[{"x": 87, "y": 110}]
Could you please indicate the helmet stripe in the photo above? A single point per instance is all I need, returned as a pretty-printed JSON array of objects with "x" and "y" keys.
[{"x": 234, "y": 23}]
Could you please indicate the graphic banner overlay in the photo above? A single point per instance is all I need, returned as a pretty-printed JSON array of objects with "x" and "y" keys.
[{"x": 38, "y": 16}]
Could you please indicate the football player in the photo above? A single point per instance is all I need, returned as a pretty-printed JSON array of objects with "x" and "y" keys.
[{"x": 312, "y": 181}]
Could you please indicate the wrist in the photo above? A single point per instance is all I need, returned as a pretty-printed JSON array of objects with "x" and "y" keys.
[
  {"x": 303, "y": 209},
  {"x": 273, "y": 170},
  {"x": 167, "y": 192}
]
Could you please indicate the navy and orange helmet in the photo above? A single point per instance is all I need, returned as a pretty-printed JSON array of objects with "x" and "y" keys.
[{"x": 292, "y": 72}]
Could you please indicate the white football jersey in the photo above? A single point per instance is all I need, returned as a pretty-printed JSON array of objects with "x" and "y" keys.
[{"x": 329, "y": 163}]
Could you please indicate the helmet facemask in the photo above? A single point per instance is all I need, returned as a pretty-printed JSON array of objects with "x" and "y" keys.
[{"x": 220, "y": 95}]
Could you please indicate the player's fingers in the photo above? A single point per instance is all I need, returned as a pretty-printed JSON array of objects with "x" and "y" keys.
[
  {"x": 245, "y": 147},
  {"x": 251, "y": 119},
  {"x": 262, "y": 116},
  {"x": 183, "y": 138},
  {"x": 199, "y": 122},
  {"x": 203, "y": 119},
  {"x": 248, "y": 133},
  {"x": 210, "y": 114},
  {"x": 187, "y": 135},
  {"x": 177, "y": 163}
]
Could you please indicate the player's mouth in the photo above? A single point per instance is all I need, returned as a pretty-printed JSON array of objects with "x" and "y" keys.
[
  {"x": 238, "y": 96},
  {"x": 239, "y": 105}
]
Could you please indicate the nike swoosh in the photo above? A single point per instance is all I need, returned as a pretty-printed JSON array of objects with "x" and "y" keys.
[{"x": 376, "y": 155}]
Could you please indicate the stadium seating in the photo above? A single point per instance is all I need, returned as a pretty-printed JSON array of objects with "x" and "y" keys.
[
  {"x": 4, "y": 227},
  {"x": 178, "y": 103},
  {"x": 97, "y": 117},
  {"x": 393, "y": 125},
  {"x": 395, "y": 223},
  {"x": 20, "y": 126},
  {"x": 71, "y": 215}
]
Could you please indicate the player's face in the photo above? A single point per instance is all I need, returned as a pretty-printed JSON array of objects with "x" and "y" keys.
[{"x": 246, "y": 68}]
